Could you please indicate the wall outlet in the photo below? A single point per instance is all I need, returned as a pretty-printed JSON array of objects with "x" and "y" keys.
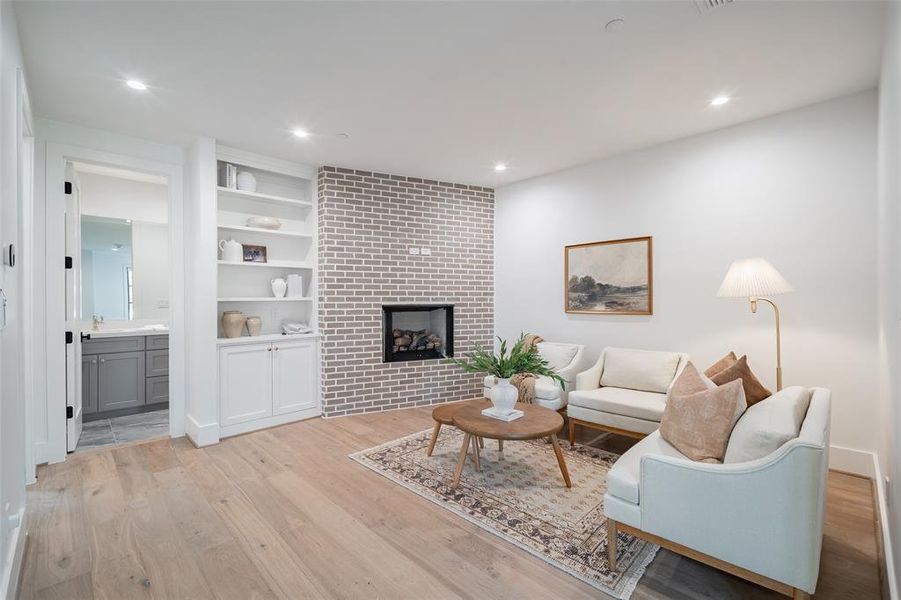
[
  {"x": 426, "y": 251},
  {"x": 414, "y": 250}
]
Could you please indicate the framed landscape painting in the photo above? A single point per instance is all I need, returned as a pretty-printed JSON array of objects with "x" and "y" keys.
[{"x": 609, "y": 278}]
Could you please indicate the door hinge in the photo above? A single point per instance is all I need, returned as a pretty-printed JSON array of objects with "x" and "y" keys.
[
  {"x": 68, "y": 187},
  {"x": 69, "y": 337},
  {"x": 68, "y": 262},
  {"x": 70, "y": 412}
]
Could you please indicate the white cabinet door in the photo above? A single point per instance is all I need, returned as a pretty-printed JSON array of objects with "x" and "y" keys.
[
  {"x": 245, "y": 383},
  {"x": 295, "y": 376}
]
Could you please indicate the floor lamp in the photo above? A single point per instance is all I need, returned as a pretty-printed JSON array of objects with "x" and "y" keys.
[{"x": 755, "y": 279}]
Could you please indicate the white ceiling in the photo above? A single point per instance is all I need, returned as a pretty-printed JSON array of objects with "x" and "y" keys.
[{"x": 440, "y": 90}]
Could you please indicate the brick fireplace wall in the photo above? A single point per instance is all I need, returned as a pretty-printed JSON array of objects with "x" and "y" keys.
[{"x": 367, "y": 224}]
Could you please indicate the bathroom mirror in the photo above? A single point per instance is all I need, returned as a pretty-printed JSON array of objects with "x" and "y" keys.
[{"x": 124, "y": 245}]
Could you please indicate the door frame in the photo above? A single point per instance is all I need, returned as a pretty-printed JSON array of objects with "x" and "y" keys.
[
  {"x": 56, "y": 157},
  {"x": 25, "y": 158}
]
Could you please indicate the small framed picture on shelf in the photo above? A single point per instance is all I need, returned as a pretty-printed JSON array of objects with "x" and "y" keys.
[{"x": 253, "y": 253}]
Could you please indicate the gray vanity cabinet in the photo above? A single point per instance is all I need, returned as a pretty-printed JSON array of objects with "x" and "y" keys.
[
  {"x": 124, "y": 373},
  {"x": 89, "y": 387},
  {"x": 121, "y": 380}
]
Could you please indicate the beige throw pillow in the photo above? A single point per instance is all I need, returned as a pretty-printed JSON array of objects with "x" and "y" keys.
[
  {"x": 722, "y": 364},
  {"x": 754, "y": 390},
  {"x": 698, "y": 420}
]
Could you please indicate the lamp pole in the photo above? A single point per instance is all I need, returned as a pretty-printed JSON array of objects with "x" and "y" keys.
[{"x": 754, "y": 300}]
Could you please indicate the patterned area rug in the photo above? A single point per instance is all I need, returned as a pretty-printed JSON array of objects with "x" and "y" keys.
[{"x": 520, "y": 496}]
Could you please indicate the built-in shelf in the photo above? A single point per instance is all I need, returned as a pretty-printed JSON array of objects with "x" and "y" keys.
[
  {"x": 265, "y": 231},
  {"x": 266, "y": 337},
  {"x": 265, "y": 197},
  {"x": 272, "y": 264},
  {"x": 273, "y": 299}
]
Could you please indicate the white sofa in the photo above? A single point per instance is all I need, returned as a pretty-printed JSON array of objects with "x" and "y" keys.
[
  {"x": 625, "y": 392},
  {"x": 566, "y": 360},
  {"x": 760, "y": 519}
]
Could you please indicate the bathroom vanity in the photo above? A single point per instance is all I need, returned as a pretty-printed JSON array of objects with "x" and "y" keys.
[{"x": 124, "y": 372}]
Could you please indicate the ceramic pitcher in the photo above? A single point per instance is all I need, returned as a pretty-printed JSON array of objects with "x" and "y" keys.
[
  {"x": 279, "y": 287},
  {"x": 232, "y": 251}
]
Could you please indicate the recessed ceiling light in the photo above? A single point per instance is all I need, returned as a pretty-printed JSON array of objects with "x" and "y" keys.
[
  {"x": 301, "y": 133},
  {"x": 500, "y": 167},
  {"x": 136, "y": 85},
  {"x": 719, "y": 100}
]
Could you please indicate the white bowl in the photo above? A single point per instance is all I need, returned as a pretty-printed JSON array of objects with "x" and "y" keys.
[{"x": 264, "y": 222}]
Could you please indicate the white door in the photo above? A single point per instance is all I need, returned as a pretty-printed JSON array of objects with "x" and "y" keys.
[
  {"x": 73, "y": 311},
  {"x": 245, "y": 383},
  {"x": 295, "y": 368}
]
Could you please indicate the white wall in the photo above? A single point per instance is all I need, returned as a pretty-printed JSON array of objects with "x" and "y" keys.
[
  {"x": 123, "y": 198},
  {"x": 150, "y": 258},
  {"x": 13, "y": 471},
  {"x": 798, "y": 188},
  {"x": 889, "y": 212}
]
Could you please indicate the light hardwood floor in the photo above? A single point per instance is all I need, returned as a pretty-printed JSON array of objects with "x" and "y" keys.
[{"x": 284, "y": 513}]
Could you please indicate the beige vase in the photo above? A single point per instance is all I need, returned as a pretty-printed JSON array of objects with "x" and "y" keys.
[
  {"x": 233, "y": 323},
  {"x": 254, "y": 324}
]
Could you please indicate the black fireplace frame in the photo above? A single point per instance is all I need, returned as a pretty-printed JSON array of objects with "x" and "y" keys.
[{"x": 388, "y": 311}]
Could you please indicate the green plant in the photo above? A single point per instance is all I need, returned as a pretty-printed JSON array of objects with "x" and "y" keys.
[{"x": 520, "y": 359}]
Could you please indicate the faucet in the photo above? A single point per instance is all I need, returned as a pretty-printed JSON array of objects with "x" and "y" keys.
[{"x": 97, "y": 322}]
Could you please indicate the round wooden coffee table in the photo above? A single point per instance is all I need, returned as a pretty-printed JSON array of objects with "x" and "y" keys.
[
  {"x": 444, "y": 415},
  {"x": 537, "y": 422}
]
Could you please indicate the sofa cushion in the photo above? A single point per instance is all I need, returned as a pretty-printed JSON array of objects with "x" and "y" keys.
[
  {"x": 630, "y": 403},
  {"x": 623, "y": 477},
  {"x": 767, "y": 425},
  {"x": 698, "y": 424},
  {"x": 722, "y": 364},
  {"x": 644, "y": 370},
  {"x": 754, "y": 390},
  {"x": 558, "y": 356}
]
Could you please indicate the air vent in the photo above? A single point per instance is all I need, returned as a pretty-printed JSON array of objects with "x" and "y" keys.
[{"x": 705, "y": 6}]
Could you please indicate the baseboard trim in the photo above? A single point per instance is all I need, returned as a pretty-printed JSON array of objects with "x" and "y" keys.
[
  {"x": 9, "y": 587},
  {"x": 849, "y": 460},
  {"x": 884, "y": 530},
  {"x": 201, "y": 435}
]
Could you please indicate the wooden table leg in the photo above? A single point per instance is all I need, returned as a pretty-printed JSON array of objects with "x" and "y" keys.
[
  {"x": 481, "y": 443},
  {"x": 466, "y": 441},
  {"x": 560, "y": 460},
  {"x": 500, "y": 445},
  {"x": 611, "y": 544},
  {"x": 434, "y": 438},
  {"x": 572, "y": 432},
  {"x": 475, "y": 454}
]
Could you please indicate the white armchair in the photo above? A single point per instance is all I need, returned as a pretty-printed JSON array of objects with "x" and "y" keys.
[
  {"x": 566, "y": 360},
  {"x": 624, "y": 392},
  {"x": 761, "y": 519}
]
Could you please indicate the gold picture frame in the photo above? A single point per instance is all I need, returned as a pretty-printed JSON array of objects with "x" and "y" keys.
[{"x": 615, "y": 277}]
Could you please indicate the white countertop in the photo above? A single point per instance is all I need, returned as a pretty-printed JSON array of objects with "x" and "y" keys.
[
  {"x": 116, "y": 332},
  {"x": 266, "y": 337}
]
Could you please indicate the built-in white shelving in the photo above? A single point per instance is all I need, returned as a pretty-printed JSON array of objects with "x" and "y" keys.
[
  {"x": 262, "y": 231},
  {"x": 272, "y": 264},
  {"x": 257, "y": 299},
  {"x": 224, "y": 191}
]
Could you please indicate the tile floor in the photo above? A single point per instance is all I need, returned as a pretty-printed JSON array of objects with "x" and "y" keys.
[{"x": 121, "y": 430}]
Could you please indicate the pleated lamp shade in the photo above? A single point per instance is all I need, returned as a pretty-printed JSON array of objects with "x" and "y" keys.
[{"x": 753, "y": 277}]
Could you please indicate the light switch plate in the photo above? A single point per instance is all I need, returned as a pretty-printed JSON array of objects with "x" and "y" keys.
[
  {"x": 414, "y": 250},
  {"x": 425, "y": 251}
]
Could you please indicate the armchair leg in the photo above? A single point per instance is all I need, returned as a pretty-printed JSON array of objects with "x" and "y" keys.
[
  {"x": 611, "y": 544},
  {"x": 572, "y": 433},
  {"x": 800, "y": 595}
]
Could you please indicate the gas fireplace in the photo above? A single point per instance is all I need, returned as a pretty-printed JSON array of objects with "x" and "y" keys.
[{"x": 418, "y": 331}]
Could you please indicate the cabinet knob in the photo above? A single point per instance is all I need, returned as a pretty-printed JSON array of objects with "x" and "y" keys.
[
  {"x": 103, "y": 360},
  {"x": 276, "y": 347},
  {"x": 94, "y": 362},
  {"x": 269, "y": 349}
]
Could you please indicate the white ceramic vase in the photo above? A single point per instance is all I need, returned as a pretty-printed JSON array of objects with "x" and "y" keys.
[
  {"x": 254, "y": 324},
  {"x": 279, "y": 287},
  {"x": 504, "y": 396}
]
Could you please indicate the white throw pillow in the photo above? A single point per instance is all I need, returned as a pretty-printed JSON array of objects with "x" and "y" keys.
[
  {"x": 558, "y": 356},
  {"x": 644, "y": 370},
  {"x": 767, "y": 425}
]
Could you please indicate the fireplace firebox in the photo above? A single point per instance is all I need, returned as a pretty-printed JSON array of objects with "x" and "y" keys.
[{"x": 418, "y": 331}]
